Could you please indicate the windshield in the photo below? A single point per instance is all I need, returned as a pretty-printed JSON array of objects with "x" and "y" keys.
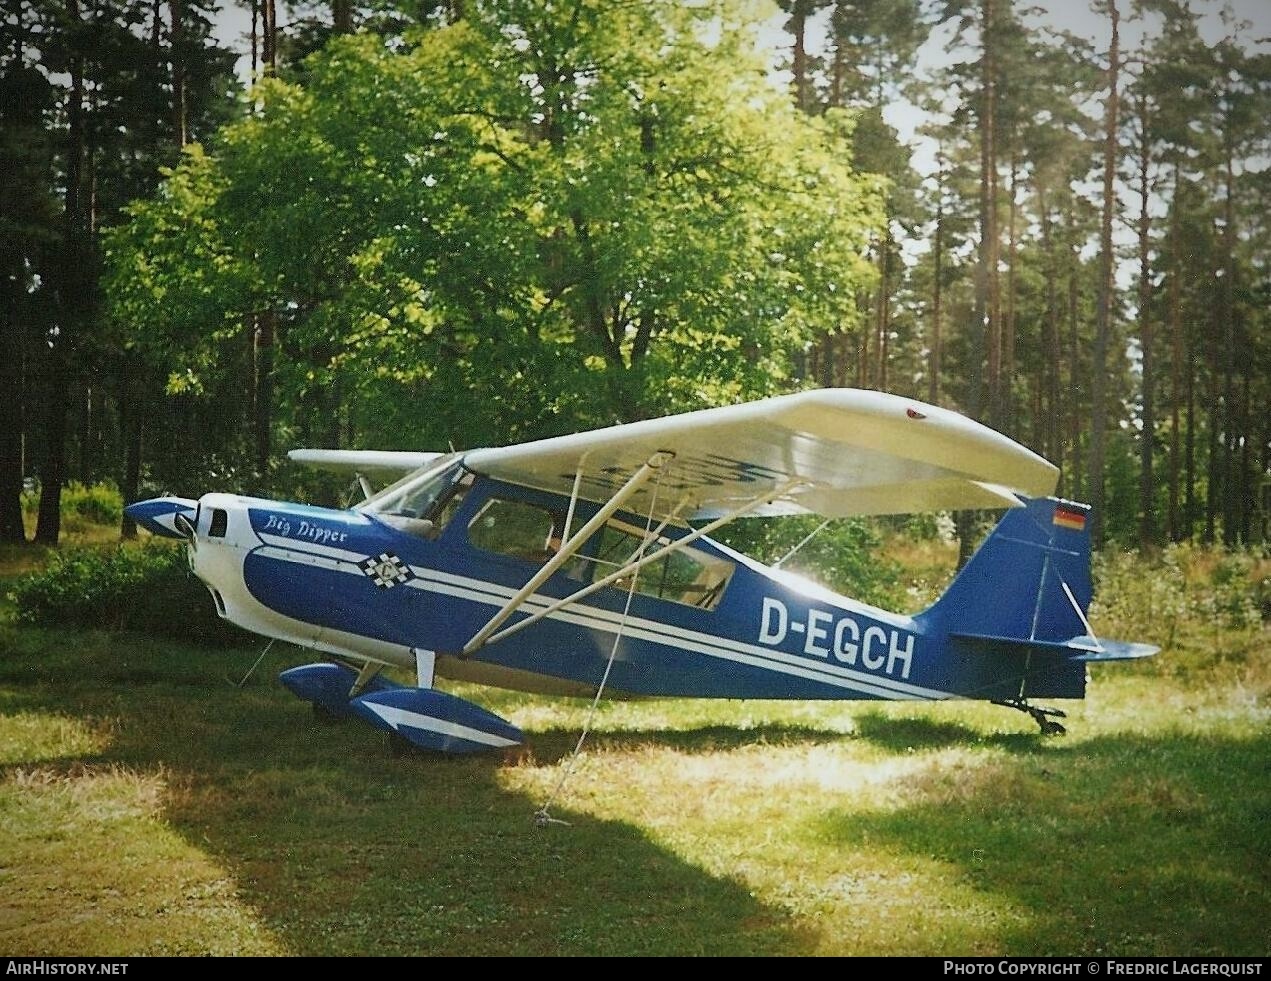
[{"x": 415, "y": 494}]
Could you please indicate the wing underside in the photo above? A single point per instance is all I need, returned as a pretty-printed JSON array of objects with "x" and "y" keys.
[{"x": 833, "y": 452}]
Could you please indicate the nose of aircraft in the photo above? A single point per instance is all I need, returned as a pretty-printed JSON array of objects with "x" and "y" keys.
[{"x": 159, "y": 514}]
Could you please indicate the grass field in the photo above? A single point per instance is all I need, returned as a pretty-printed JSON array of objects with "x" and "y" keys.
[{"x": 148, "y": 806}]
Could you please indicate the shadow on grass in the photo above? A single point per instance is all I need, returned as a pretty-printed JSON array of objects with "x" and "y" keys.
[
  {"x": 554, "y": 744},
  {"x": 342, "y": 849},
  {"x": 1128, "y": 845},
  {"x": 903, "y": 734}
]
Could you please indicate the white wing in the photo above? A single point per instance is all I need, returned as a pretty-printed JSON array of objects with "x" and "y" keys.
[
  {"x": 852, "y": 452},
  {"x": 363, "y": 461}
]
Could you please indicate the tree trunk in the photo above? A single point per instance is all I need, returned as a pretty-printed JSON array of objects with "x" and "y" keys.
[
  {"x": 133, "y": 412},
  {"x": 12, "y": 336},
  {"x": 987, "y": 339},
  {"x": 180, "y": 113},
  {"x": 933, "y": 382},
  {"x": 981, "y": 328},
  {"x": 1008, "y": 322},
  {"x": 265, "y": 339},
  {"x": 1176, "y": 371},
  {"x": 1103, "y": 312},
  {"x": 342, "y": 16},
  {"x": 1189, "y": 508},
  {"x": 1147, "y": 440},
  {"x": 964, "y": 521},
  {"x": 71, "y": 298},
  {"x": 1075, "y": 387},
  {"x": 799, "y": 62},
  {"x": 1260, "y": 486},
  {"x": 269, "y": 37},
  {"x": 826, "y": 379},
  {"x": 1213, "y": 495},
  {"x": 56, "y": 380},
  {"x": 838, "y": 68},
  {"x": 1052, "y": 439},
  {"x": 884, "y": 311},
  {"x": 1246, "y": 485},
  {"x": 87, "y": 456},
  {"x": 1227, "y": 482}
]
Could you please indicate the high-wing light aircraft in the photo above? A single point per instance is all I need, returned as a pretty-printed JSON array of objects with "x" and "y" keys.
[{"x": 569, "y": 563}]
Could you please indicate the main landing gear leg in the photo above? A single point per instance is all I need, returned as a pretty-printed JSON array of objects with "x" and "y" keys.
[{"x": 1044, "y": 717}]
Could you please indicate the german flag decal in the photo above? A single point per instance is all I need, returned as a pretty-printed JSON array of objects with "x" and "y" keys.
[{"x": 1072, "y": 518}]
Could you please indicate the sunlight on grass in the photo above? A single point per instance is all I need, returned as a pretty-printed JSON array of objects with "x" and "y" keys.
[
  {"x": 88, "y": 866},
  {"x": 924, "y": 829},
  {"x": 754, "y": 814},
  {"x": 32, "y": 737}
]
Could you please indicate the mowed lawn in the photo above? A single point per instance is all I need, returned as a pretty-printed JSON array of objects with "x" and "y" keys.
[{"x": 149, "y": 806}]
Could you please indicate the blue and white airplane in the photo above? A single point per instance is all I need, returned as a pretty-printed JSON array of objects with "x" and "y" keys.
[{"x": 579, "y": 562}]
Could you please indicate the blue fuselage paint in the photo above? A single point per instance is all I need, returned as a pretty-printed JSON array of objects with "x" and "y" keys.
[{"x": 354, "y": 582}]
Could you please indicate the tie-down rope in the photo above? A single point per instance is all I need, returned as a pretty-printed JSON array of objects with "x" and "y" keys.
[{"x": 543, "y": 817}]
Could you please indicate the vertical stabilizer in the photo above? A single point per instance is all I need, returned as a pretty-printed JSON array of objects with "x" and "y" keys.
[{"x": 1030, "y": 580}]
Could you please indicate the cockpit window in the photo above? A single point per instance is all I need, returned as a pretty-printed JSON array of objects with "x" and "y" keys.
[
  {"x": 415, "y": 495},
  {"x": 412, "y": 504}
]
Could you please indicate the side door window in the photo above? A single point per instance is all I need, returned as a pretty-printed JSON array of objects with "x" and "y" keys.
[
  {"x": 515, "y": 528},
  {"x": 688, "y": 575}
]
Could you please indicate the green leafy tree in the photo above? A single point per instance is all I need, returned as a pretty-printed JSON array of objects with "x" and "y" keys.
[{"x": 568, "y": 215}]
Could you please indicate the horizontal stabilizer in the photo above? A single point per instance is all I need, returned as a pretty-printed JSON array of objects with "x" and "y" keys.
[
  {"x": 1119, "y": 650},
  {"x": 1084, "y": 648},
  {"x": 437, "y": 720}
]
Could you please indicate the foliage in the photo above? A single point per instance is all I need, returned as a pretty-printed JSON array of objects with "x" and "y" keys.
[
  {"x": 610, "y": 216},
  {"x": 97, "y": 503},
  {"x": 146, "y": 589},
  {"x": 1155, "y": 598},
  {"x": 845, "y": 555},
  {"x": 488, "y": 221},
  {"x": 93, "y": 100}
]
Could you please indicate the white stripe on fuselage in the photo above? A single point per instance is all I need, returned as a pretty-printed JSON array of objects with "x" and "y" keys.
[
  {"x": 666, "y": 635},
  {"x": 312, "y": 548},
  {"x": 481, "y": 591},
  {"x": 397, "y": 717}
]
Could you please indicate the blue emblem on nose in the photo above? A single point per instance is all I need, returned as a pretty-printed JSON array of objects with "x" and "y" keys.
[{"x": 386, "y": 570}]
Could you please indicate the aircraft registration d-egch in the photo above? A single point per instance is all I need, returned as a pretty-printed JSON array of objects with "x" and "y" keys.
[{"x": 582, "y": 562}]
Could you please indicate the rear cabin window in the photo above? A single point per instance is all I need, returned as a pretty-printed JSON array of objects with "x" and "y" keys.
[
  {"x": 515, "y": 528},
  {"x": 687, "y": 575}
]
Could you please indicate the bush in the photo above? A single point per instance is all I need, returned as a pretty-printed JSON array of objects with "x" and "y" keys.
[
  {"x": 99, "y": 504},
  {"x": 149, "y": 589},
  {"x": 1154, "y": 598}
]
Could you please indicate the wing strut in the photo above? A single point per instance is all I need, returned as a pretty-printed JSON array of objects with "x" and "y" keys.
[
  {"x": 567, "y": 550},
  {"x": 636, "y": 563}
]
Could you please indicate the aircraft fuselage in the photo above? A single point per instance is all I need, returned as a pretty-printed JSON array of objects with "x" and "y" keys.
[{"x": 703, "y": 622}]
